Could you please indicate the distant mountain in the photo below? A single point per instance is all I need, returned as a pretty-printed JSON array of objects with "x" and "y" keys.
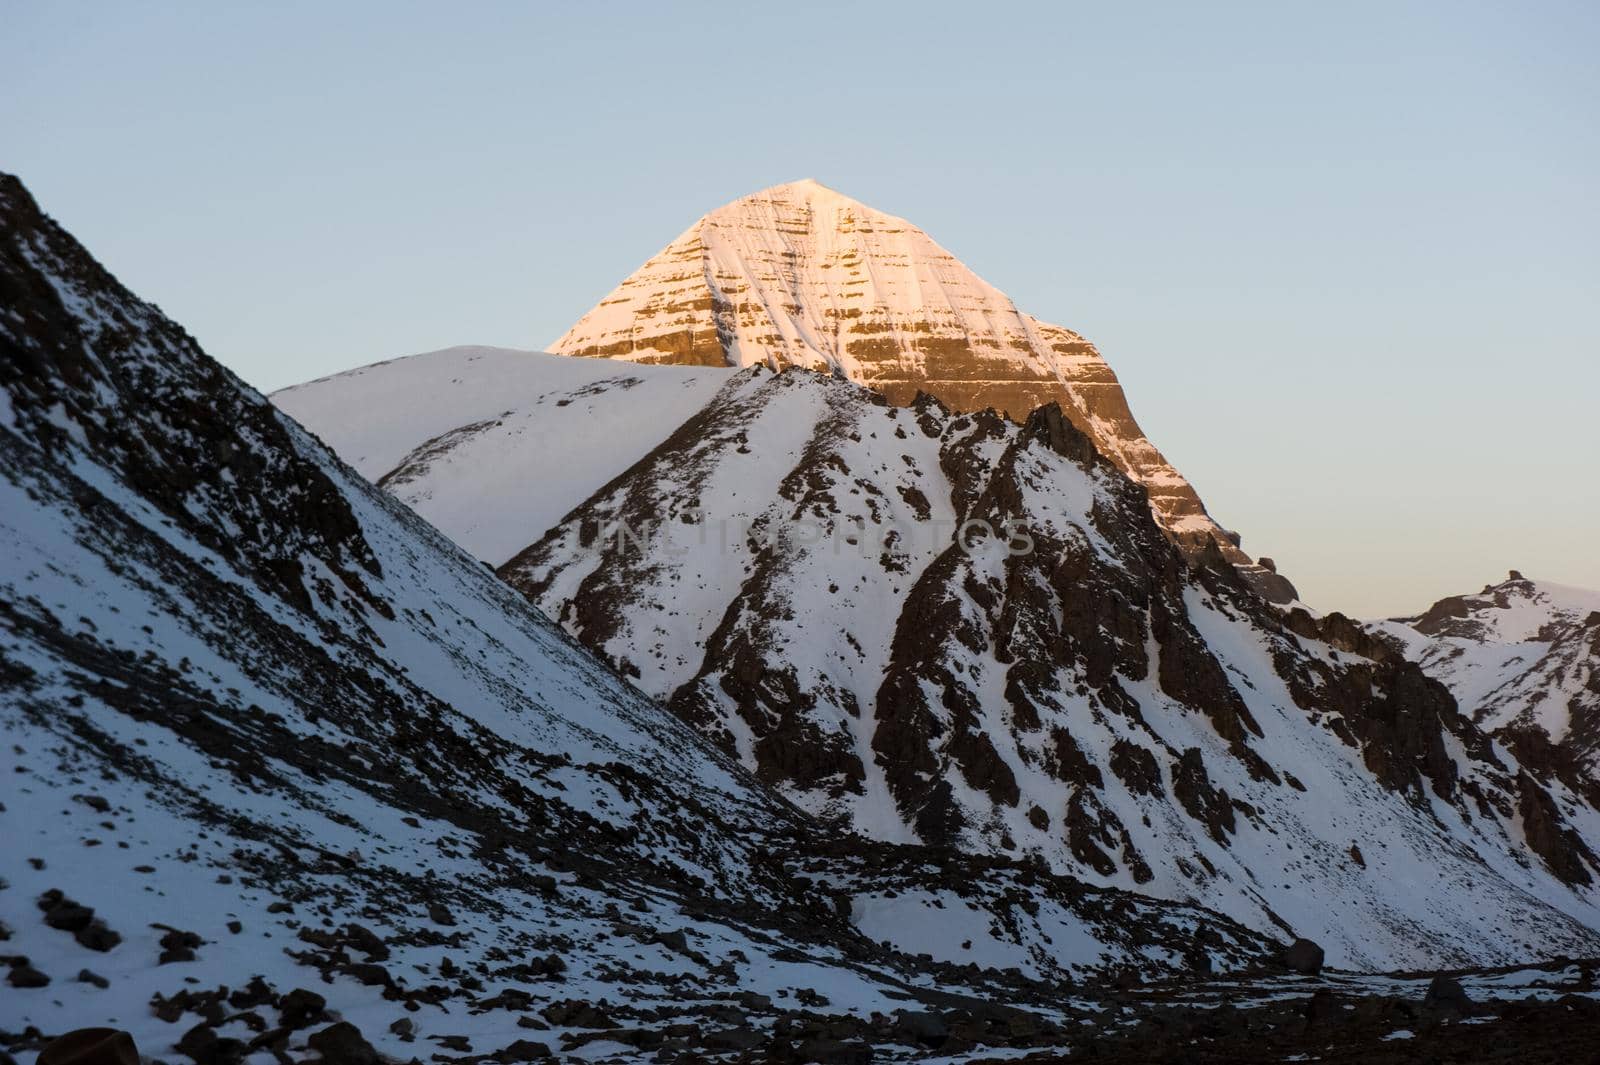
[
  {"x": 534, "y": 434},
  {"x": 790, "y": 581},
  {"x": 800, "y": 275},
  {"x": 287, "y": 774},
  {"x": 1523, "y": 660}
]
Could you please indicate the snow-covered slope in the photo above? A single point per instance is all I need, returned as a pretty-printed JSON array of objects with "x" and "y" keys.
[
  {"x": 793, "y": 586},
  {"x": 277, "y": 755},
  {"x": 788, "y": 582},
  {"x": 800, "y": 275},
  {"x": 449, "y": 430},
  {"x": 1520, "y": 655}
]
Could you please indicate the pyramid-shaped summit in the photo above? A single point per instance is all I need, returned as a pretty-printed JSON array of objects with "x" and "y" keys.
[{"x": 801, "y": 275}]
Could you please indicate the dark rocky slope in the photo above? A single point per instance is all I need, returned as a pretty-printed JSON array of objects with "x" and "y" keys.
[
  {"x": 792, "y": 584},
  {"x": 287, "y": 774}
]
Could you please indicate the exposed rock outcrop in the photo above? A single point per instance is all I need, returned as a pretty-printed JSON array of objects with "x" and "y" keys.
[{"x": 800, "y": 275}]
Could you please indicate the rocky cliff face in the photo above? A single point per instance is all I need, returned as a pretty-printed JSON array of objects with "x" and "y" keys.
[
  {"x": 287, "y": 774},
  {"x": 799, "y": 275},
  {"x": 1522, "y": 658},
  {"x": 956, "y": 629}
]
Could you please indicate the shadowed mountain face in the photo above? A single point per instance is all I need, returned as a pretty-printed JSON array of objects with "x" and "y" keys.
[
  {"x": 953, "y": 628},
  {"x": 799, "y": 275},
  {"x": 266, "y": 731}
]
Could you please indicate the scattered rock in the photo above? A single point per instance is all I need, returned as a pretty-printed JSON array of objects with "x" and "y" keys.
[
  {"x": 205, "y": 1047},
  {"x": 366, "y": 941},
  {"x": 1321, "y": 1008},
  {"x": 25, "y": 976},
  {"x": 63, "y": 914},
  {"x": 734, "y": 1039},
  {"x": 87, "y": 977},
  {"x": 90, "y": 1046},
  {"x": 924, "y": 1029},
  {"x": 275, "y": 1040},
  {"x": 827, "y": 1051},
  {"x": 572, "y": 1013},
  {"x": 524, "y": 1050},
  {"x": 1446, "y": 995},
  {"x": 676, "y": 940},
  {"x": 177, "y": 945},
  {"x": 343, "y": 1044},
  {"x": 97, "y": 936},
  {"x": 301, "y": 1008},
  {"x": 1303, "y": 956},
  {"x": 255, "y": 993},
  {"x": 369, "y": 974}
]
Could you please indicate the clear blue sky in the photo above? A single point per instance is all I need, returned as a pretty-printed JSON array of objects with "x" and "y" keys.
[{"x": 1345, "y": 257}]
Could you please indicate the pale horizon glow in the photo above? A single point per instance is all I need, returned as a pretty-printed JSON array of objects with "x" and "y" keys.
[{"x": 1345, "y": 260}]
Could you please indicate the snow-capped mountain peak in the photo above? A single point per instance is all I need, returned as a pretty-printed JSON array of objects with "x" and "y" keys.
[
  {"x": 266, "y": 731},
  {"x": 802, "y": 275}
]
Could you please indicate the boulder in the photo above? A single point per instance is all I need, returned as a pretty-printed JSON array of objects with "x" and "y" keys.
[
  {"x": 202, "y": 1044},
  {"x": 1303, "y": 956},
  {"x": 66, "y": 915},
  {"x": 367, "y": 942},
  {"x": 1446, "y": 995},
  {"x": 91, "y": 1046},
  {"x": 26, "y": 976},
  {"x": 301, "y": 1008},
  {"x": 921, "y": 1027},
  {"x": 524, "y": 1050},
  {"x": 343, "y": 1044},
  {"x": 97, "y": 936},
  {"x": 367, "y": 973},
  {"x": 734, "y": 1039}
]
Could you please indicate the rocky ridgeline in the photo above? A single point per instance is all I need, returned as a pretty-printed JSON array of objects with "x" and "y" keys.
[
  {"x": 799, "y": 275},
  {"x": 793, "y": 586},
  {"x": 1522, "y": 658},
  {"x": 286, "y": 773}
]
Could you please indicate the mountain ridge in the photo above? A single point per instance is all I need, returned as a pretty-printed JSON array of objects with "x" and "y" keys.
[
  {"x": 801, "y": 275},
  {"x": 267, "y": 732},
  {"x": 1522, "y": 657},
  {"x": 1103, "y": 705}
]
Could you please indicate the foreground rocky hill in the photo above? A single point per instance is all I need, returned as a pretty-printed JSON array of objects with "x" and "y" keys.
[
  {"x": 288, "y": 775},
  {"x": 799, "y": 275},
  {"x": 782, "y": 568}
]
